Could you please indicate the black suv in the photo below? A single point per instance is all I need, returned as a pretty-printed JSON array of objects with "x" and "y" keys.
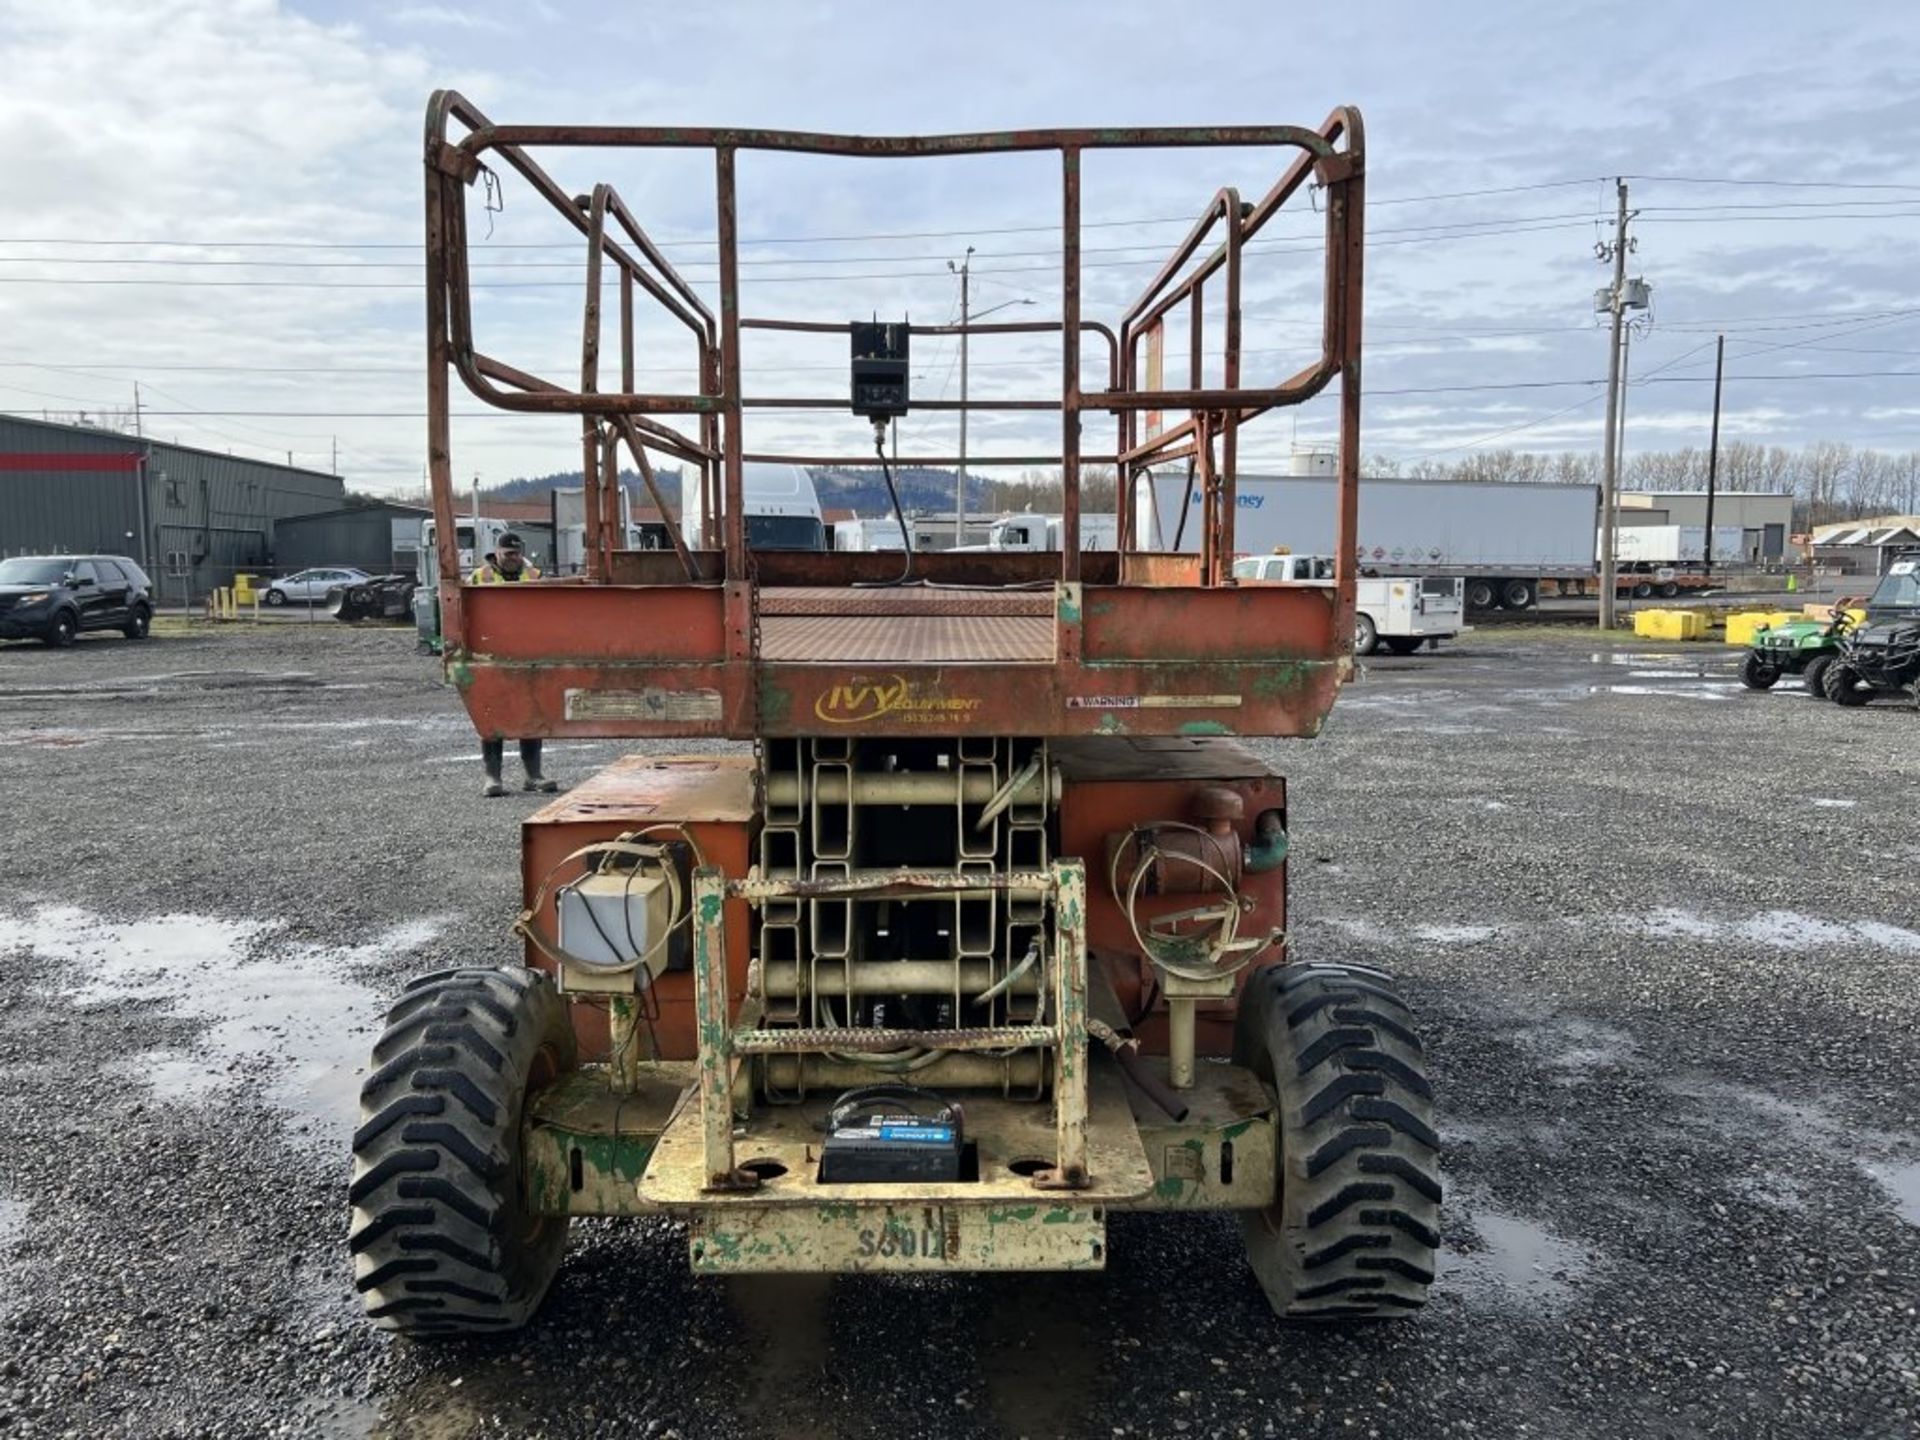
[{"x": 54, "y": 597}]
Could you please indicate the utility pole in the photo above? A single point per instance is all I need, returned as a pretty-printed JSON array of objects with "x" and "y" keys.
[
  {"x": 336, "y": 455},
  {"x": 136, "y": 412},
  {"x": 1615, "y": 303},
  {"x": 964, "y": 270},
  {"x": 1713, "y": 445}
]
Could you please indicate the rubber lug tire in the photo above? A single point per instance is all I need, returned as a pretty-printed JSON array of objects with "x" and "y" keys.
[
  {"x": 1815, "y": 675},
  {"x": 139, "y": 625},
  {"x": 442, "y": 1237},
  {"x": 1357, "y": 1220},
  {"x": 61, "y": 631},
  {"x": 1841, "y": 684},
  {"x": 1756, "y": 673}
]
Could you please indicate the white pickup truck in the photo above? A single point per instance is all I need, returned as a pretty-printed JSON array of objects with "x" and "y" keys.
[{"x": 1403, "y": 612}]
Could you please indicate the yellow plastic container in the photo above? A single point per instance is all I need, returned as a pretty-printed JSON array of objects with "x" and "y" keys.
[
  {"x": 243, "y": 589},
  {"x": 1742, "y": 628},
  {"x": 1670, "y": 625}
]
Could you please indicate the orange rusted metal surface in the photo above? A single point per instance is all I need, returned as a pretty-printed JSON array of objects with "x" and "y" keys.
[
  {"x": 1109, "y": 790},
  {"x": 712, "y": 796}
]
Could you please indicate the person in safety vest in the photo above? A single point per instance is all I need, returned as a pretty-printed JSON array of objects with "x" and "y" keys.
[{"x": 508, "y": 565}]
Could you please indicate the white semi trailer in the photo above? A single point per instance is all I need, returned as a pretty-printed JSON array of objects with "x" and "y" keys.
[{"x": 1504, "y": 541}]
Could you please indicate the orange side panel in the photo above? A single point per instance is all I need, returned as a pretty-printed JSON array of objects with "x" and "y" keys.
[
  {"x": 1092, "y": 810},
  {"x": 712, "y": 795}
]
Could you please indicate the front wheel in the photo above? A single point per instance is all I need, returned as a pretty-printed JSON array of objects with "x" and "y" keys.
[
  {"x": 138, "y": 623},
  {"x": 61, "y": 632},
  {"x": 1356, "y": 1218},
  {"x": 1642, "y": 589},
  {"x": 1842, "y": 685},
  {"x": 1366, "y": 635},
  {"x": 445, "y": 1240},
  {"x": 1756, "y": 673}
]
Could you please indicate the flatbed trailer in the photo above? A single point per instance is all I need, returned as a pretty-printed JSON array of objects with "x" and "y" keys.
[{"x": 986, "y": 937}]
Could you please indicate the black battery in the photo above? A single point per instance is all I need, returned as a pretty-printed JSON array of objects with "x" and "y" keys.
[{"x": 892, "y": 1135}]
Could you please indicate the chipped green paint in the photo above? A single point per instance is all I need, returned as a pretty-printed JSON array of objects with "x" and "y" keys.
[
  {"x": 1012, "y": 1214},
  {"x": 1060, "y": 1215},
  {"x": 1281, "y": 678},
  {"x": 837, "y": 1212},
  {"x": 459, "y": 672},
  {"x": 710, "y": 907},
  {"x": 1111, "y": 724},
  {"x": 1067, "y": 604},
  {"x": 1236, "y": 1129},
  {"x": 1204, "y": 727},
  {"x": 1169, "y": 1187},
  {"x": 775, "y": 701}
]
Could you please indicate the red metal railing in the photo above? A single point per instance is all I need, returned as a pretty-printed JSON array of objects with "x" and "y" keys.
[{"x": 462, "y": 145}]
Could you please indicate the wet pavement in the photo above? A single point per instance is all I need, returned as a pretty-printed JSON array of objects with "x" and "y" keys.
[{"x": 1659, "y": 929}]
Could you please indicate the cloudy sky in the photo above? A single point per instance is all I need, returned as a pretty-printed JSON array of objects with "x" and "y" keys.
[{"x": 220, "y": 200}]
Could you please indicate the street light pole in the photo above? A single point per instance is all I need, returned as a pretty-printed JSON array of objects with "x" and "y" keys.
[{"x": 963, "y": 270}]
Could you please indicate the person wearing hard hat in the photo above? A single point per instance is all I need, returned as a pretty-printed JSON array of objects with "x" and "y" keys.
[{"x": 508, "y": 565}]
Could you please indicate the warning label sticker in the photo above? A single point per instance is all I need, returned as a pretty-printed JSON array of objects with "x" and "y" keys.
[
  {"x": 1153, "y": 702},
  {"x": 667, "y": 707}
]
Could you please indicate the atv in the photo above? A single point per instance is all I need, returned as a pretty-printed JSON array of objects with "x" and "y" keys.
[
  {"x": 1882, "y": 657},
  {"x": 1799, "y": 647}
]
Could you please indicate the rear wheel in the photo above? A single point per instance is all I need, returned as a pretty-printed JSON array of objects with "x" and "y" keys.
[
  {"x": 1517, "y": 594},
  {"x": 444, "y": 1239},
  {"x": 138, "y": 623},
  {"x": 1403, "y": 644},
  {"x": 1816, "y": 673},
  {"x": 1669, "y": 589},
  {"x": 1366, "y": 635},
  {"x": 1642, "y": 589},
  {"x": 1841, "y": 685},
  {"x": 1480, "y": 595},
  {"x": 1756, "y": 673},
  {"x": 1356, "y": 1220}
]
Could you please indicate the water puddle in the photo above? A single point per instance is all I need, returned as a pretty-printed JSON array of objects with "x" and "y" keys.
[
  {"x": 1901, "y": 1181},
  {"x": 1703, "y": 690},
  {"x": 1517, "y": 1260},
  {"x": 285, "y": 1018},
  {"x": 1827, "y": 802}
]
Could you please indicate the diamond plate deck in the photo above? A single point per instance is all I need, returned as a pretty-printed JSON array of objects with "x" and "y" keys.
[{"x": 896, "y": 638}]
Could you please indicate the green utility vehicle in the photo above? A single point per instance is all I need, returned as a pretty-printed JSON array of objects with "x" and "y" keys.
[{"x": 1799, "y": 647}]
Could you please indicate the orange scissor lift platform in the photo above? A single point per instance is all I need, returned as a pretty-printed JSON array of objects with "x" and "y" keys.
[{"x": 996, "y": 836}]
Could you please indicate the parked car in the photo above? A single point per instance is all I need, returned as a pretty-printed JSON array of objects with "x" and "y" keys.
[
  {"x": 55, "y": 597},
  {"x": 310, "y": 587}
]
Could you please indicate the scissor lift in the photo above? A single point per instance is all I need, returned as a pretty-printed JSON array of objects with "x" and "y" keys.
[{"x": 997, "y": 849}]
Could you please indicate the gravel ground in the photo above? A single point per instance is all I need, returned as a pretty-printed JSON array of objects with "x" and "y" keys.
[{"x": 1661, "y": 932}]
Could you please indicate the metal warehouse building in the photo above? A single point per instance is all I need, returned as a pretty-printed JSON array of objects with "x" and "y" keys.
[
  {"x": 192, "y": 518},
  {"x": 375, "y": 538}
]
